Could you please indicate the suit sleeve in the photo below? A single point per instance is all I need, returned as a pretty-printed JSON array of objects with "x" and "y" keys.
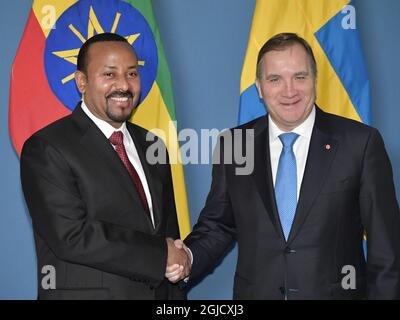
[
  {"x": 215, "y": 229},
  {"x": 59, "y": 217},
  {"x": 172, "y": 230},
  {"x": 177, "y": 291},
  {"x": 381, "y": 217}
]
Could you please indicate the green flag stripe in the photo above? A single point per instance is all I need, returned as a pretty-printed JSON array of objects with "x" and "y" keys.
[{"x": 163, "y": 75}]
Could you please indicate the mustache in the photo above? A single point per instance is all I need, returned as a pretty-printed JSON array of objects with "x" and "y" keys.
[{"x": 120, "y": 94}]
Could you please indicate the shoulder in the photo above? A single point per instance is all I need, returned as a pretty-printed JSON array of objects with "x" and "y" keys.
[
  {"x": 253, "y": 124},
  {"x": 342, "y": 126},
  {"x": 139, "y": 131},
  {"x": 52, "y": 134},
  {"x": 255, "y": 127},
  {"x": 353, "y": 135},
  {"x": 146, "y": 138}
]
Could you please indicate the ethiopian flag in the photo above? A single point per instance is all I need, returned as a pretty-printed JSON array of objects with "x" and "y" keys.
[
  {"x": 329, "y": 26},
  {"x": 42, "y": 80}
]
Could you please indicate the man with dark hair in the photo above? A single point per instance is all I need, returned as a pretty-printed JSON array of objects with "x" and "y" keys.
[
  {"x": 319, "y": 181},
  {"x": 103, "y": 217},
  {"x": 82, "y": 60}
]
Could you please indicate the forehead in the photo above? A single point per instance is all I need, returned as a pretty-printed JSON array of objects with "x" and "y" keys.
[
  {"x": 105, "y": 52},
  {"x": 292, "y": 56}
]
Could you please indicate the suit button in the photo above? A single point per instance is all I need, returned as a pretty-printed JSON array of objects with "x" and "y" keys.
[
  {"x": 289, "y": 250},
  {"x": 282, "y": 290},
  {"x": 151, "y": 287}
]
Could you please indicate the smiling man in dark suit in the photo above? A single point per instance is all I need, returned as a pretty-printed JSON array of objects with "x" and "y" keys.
[
  {"x": 101, "y": 213},
  {"x": 319, "y": 181}
]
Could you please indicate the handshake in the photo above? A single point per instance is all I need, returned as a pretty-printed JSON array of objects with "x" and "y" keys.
[{"x": 179, "y": 260}]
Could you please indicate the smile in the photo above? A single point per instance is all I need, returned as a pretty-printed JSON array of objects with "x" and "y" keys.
[
  {"x": 118, "y": 99},
  {"x": 288, "y": 104}
]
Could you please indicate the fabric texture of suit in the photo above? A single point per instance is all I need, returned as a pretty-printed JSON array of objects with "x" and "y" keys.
[
  {"x": 88, "y": 220},
  {"x": 347, "y": 186}
]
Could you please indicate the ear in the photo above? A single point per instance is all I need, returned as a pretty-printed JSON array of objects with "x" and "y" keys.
[
  {"x": 258, "y": 88},
  {"x": 81, "y": 81}
]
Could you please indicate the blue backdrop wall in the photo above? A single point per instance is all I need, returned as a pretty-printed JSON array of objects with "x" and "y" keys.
[{"x": 205, "y": 43}]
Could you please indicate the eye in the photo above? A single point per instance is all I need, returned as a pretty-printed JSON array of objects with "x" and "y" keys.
[
  {"x": 108, "y": 74},
  {"x": 273, "y": 80},
  {"x": 133, "y": 74},
  {"x": 300, "y": 78}
]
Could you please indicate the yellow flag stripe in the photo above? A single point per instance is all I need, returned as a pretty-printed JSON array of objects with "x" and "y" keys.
[{"x": 153, "y": 114}]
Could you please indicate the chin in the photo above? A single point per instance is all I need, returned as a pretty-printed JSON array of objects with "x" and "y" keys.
[{"x": 121, "y": 117}]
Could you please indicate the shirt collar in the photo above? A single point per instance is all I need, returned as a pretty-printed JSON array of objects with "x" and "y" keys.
[
  {"x": 304, "y": 129},
  {"x": 104, "y": 126}
]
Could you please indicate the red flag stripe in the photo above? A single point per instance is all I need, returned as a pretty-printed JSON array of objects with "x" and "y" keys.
[{"x": 32, "y": 103}]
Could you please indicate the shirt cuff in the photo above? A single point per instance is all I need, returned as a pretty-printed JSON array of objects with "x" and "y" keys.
[{"x": 191, "y": 263}]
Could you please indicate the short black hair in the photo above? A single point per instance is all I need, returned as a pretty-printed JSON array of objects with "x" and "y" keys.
[
  {"x": 83, "y": 52},
  {"x": 280, "y": 42}
]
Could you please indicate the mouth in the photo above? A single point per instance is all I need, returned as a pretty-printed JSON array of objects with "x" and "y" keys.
[
  {"x": 289, "y": 104},
  {"x": 121, "y": 100}
]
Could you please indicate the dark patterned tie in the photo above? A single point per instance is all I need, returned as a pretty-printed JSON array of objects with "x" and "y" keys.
[{"x": 117, "y": 139}]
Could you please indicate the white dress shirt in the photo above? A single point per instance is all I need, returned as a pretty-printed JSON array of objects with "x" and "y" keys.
[
  {"x": 300, "y": 147},
  {"x": 300, "y": 150},
  {"x": 131, "y": 151}
]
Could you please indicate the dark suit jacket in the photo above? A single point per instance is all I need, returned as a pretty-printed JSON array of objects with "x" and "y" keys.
[
  {"x": 89, "y": 223},
  {"x": 345, "y": 189}
]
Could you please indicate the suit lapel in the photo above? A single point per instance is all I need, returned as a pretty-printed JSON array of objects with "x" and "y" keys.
[
  {"x": 96, "y": 143},
  {"x": 321, "y": 152},
  {"x": 263, "y": 176},
  {"x": 153, "y": 180}
]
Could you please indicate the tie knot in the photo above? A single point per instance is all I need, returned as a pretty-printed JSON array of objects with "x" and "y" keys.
[
  {"x": 288, "y": 139},
  {"x": 117, "y": 138}
]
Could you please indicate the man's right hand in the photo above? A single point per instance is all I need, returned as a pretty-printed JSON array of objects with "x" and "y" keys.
[{"x": 178, "y": 262}]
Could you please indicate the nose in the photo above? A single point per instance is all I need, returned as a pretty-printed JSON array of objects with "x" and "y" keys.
[
  {"x": 289, "y": 89},
  {"x": 121, "y": 83}
]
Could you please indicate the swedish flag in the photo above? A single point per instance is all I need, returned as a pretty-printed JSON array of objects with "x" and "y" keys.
[{"x": 330, "y": 28}]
